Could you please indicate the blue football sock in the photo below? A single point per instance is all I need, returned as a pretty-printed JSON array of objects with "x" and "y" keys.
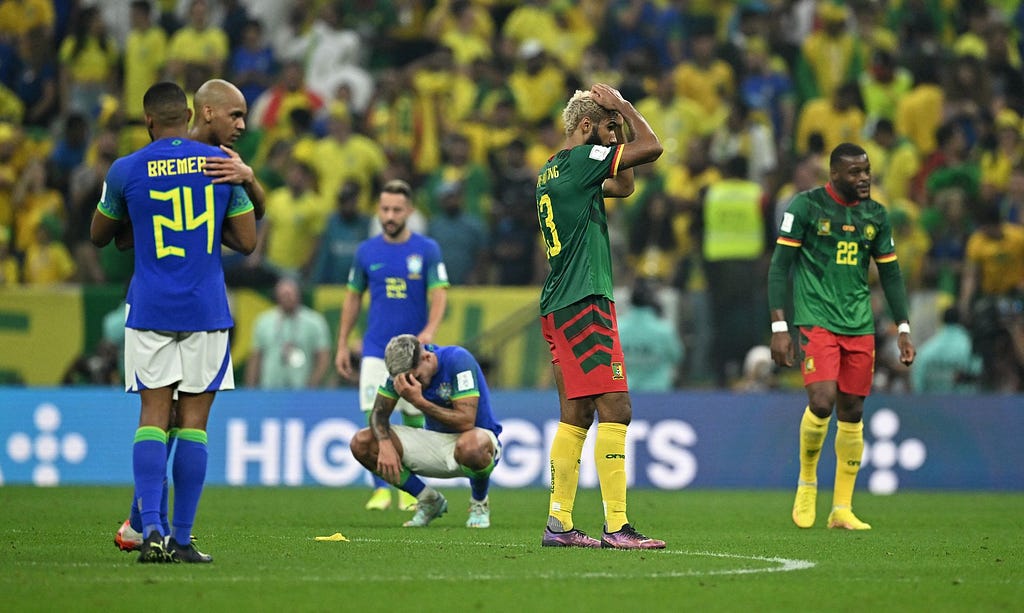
[
  {"x": 378, "y": 481},
  {"x": 149, "y": 467},
  {"x": 189, "y": 470},
  {"x": 479, "y": 480},
  {"x": 410, "y": 483},
  {"x": 172, "y": 435},
  {"x": 134, "y": 516},
  {"x": 479, "y": 486}
]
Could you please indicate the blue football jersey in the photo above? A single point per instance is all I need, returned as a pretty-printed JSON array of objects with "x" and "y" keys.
[
  {"x": 458, "y": 376},
  {"x": 177, "y": 216},
  {"x": 399, "y": 277}
]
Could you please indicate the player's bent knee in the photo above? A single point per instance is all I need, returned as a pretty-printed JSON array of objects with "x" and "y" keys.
[{"x": 360, "y": 443}]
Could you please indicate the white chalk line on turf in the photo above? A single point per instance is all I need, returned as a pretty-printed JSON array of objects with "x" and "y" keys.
[
  {"x": 782, "y": 564},
  {"x": 779, "y": 565}
]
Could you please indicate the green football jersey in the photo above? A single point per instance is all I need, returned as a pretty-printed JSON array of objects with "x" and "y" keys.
[
  {"x": 835, "y": 242},
  {"x": 574, "y": 224}
]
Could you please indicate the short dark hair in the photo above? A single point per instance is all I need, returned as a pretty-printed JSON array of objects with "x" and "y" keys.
[
  {"x": 845, "y": 150},
  {"x": 166, "y": 103},
  {"x": 397, "y": 186}
]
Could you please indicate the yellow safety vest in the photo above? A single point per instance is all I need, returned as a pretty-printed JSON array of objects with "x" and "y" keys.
[{"x": 733, "y": 222}]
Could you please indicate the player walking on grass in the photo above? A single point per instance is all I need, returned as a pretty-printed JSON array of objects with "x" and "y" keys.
[
  {"x": 408, "y": 286},
  {"x": 219, "y": 120},
  {"x": 578, "y": 312},
  {"x": 828, "y": 235},
  {"x": 176, "y": 330},
  {"x": 460, "y": 438}
]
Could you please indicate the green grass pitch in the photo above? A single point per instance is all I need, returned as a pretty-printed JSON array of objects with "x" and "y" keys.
[{"x": 727, "y": 551}]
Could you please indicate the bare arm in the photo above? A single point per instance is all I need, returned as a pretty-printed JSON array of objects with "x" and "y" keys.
[
  {"x": 252, "y": 368},
  {"x": 239, "y": 233},
  {"x": 968, "y": 285},
  {"x": 389, "y": 463},
  {"x": 103, "y": 228},
  {"x": 461, "y": 417},
  {"x": 316, "y": 378},
  {"x": 438, "y": 304},
  {"x": 645, "y": 146},
  {"x": 350, "y": 309}
]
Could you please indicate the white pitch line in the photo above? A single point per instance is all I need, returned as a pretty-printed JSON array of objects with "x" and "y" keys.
[{"x": 781, "y": 565}]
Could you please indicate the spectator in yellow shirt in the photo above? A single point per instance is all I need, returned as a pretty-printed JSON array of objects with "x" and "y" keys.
[
  {"x": 198, "y": 44},
  {"x": 1008, "y": 152},
  {"x": 837, "y": 118},
  {"x": 145, "y": 52},
  {"x": 537, "y": 83},
  {"x": 344, "y": 154},
  {"x": 705, "y": 78},
  {"x": 296, "y": 217},
  {"x": 830, "y": 56},
  {"x": 47, "y": 260},
  {"x": 88, "y": 61},
  {"x": 22, "y": 16},
  {"x": 919, "y": 112}
]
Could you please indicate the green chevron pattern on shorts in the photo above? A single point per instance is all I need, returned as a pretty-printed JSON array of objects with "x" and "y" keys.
[
  {"x": 561, "y": 316},
  {"x": 600, "y": 358}
]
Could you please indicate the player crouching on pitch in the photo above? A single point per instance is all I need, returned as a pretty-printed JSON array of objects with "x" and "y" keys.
[{"x": 460, "y": 437}]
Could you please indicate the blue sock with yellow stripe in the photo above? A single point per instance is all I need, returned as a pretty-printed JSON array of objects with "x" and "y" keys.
[
  {"x": 189, "y": 471},
  {"x": 149, "y": 468}
]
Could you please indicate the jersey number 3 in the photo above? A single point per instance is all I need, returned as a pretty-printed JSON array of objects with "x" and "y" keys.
[
  {"x": 183, "y": 218},
  {"x": 552, "y": 245},
  {"x": 846, "y": 253}
]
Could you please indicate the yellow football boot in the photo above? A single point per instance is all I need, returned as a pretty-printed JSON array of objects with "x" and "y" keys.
[
  {"x": 380, "y": 500},
  {"x": 843, "y": 517},
  {"x": 804, "y": 507}
]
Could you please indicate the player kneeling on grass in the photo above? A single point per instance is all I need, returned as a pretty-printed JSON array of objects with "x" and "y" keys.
[{"x": 460, "y": 437}]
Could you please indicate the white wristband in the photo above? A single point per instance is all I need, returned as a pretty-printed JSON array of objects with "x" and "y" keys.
[
  {"x": 903, "y": 328},
  {"x": 779, "y": 326}
]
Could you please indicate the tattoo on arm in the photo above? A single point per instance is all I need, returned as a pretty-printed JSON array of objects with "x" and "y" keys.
[{"x": 380, "y": 418}]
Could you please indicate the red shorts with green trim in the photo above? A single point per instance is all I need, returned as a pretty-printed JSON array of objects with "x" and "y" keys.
[
  {"x": 584, "y": 341},
  {"x": 847, "y": 360}
]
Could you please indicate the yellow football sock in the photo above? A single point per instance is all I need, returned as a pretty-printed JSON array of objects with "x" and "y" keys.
[
  {"x": 565, "y": 471},
  {"x": 849, "y": 449},
  {"x": 812, "y": 434},
  {"x": 610, "y": 458}
]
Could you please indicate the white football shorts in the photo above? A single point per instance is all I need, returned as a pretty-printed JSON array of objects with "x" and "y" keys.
[
  {"x": 432, "y": 454},
  {"x": 192, "y": 362},
  {"x": 373, "y": 374}
]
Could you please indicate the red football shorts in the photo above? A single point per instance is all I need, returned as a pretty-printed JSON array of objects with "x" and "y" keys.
[
  {"x": 848, "y": 360},
  {"x": 584, "y": 341}
]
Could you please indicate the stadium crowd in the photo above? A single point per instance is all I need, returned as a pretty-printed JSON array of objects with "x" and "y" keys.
[{"x": 462, "y": 99}]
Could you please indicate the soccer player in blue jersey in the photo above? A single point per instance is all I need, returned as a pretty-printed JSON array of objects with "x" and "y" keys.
[
  {"x": 219, "y": 120},
  {"x": 461, "y": 433},
  {"x": 407, "y": 281},
  {"x": 176, "y": 330}
]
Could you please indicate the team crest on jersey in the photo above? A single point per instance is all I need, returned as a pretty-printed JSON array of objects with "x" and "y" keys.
[
  {"x": 808, "y": 364},
  {"x": 618, "y": 373},
  {"x": 870, "y": 232},
  {"x": 444, "y": 391},
  {"x": 414, "y": 264},
  {"x": 824, "y": 227}
]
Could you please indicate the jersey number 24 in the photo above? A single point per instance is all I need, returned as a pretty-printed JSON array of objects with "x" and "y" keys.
[{"x": 183, "y": 218}]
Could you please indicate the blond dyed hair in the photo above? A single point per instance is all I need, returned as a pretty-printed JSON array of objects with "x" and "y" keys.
[{"x": 582, "y": 104}]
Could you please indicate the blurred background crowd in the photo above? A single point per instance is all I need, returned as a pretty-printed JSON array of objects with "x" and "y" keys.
[{"x": 462, "y": 98}]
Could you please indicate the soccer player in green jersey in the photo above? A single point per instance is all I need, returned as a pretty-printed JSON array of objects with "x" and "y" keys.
[
  {"x": 829, "y": 234},
  {"x": 577, "y": 308}
]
